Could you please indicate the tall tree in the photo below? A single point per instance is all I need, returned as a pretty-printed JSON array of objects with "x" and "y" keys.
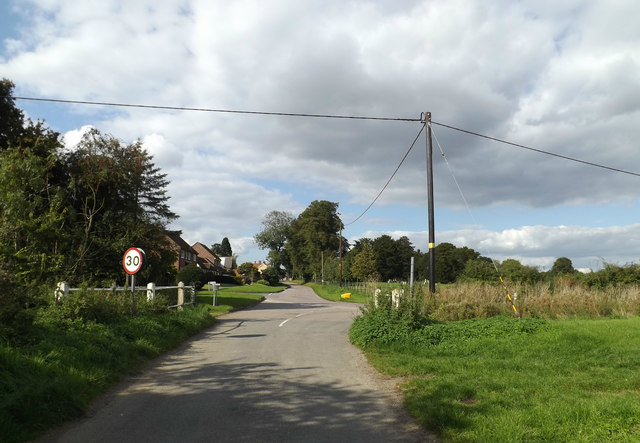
[
  {"x": 11, "y": 117},
  {"x": 364, "y": 266},
  {"x": 120, "y": 198},
  {"x": 276, "y": 228},
  {"x": 393, "y": 256},
  {"x": 562, "y": 265},
  {"x": 313, "y": 233},
  {"x": 225, "y": 248}
]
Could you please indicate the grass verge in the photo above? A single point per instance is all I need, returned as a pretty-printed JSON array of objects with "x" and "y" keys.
[
  {"x": 333, "y": 293},
  {"x": 235, "y": 297},
  {"x": 507, "y": 379},
  {"x": 64, "y": 363}
]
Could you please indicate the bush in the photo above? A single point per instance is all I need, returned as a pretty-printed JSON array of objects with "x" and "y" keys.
[
  {"x": 191, "y": 275},
  {"x": 16, "y": 313},
  {"x": 263, "y": 282},
  {"x": 271, "y": 275}
]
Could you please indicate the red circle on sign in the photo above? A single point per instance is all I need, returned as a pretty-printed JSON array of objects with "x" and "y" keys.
[{"x": 132, "y": 260}]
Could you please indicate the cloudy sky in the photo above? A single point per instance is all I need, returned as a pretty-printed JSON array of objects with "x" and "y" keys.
[{"x": 562, "y": 77}]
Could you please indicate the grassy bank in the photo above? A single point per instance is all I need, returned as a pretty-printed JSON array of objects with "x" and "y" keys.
[
  {"x": 235, "y": 297},
  {"x": 333, "y": 293},
  {"x": 77, "y": 350},
  {"x": 509, "y": 379}
]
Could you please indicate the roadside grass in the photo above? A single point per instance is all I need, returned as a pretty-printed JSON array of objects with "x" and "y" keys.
[
  {"x": 509, "y": 379},
  {"x": 63, "y": 364},
  {"x": 254, "y": 288},
  {"x": 234, "y": 297},
  {"x": 75, "y": 352},
  {"x": 333, "y": 293}
]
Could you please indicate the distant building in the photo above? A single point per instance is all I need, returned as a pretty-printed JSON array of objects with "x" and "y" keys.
[
  {"x": 208, "y": 260},
  {"x": 227, "y": 262},
  {"x": 186, "y": 254},
  {"x": 260, "y": 266}
]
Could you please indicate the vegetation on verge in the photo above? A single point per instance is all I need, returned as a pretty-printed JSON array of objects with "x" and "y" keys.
[
  {"x": 73, "y": 352},
  {"x": 334, "y": 292},
  {"x": 77, "y": 348},
  {"x": 504, "y": 378}
]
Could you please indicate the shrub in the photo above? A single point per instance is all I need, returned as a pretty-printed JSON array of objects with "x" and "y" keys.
[
  {"x": 271, "y": 275},
  {"x": 191, "y": 275},
  {"x": 263, "y": 282}
]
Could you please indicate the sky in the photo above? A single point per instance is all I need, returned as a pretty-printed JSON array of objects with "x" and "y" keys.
[{"x": 560, "y": 77}]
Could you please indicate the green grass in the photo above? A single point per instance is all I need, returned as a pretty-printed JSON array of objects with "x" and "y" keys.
[
  {"x": 333, "y": 292},
  {"x": 235, "y": 297},
  {"x": 77, "y": 349},
  {"x": 507, "y": 379},
  {"x": 254, "y": 288},
  {"x": 53, "y": 374}
]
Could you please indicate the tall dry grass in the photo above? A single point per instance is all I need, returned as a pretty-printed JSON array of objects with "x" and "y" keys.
[{"x": 559, "y": 299}]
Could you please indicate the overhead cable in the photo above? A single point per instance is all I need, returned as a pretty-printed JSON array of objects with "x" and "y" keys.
[
  {"x": 227, "y": 111},
  {"x": 390, "y": 178},
  {"x": 537, "y": 150}
]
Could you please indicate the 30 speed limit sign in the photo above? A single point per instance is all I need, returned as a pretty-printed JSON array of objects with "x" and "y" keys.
[{"x": 132, "y": 260}]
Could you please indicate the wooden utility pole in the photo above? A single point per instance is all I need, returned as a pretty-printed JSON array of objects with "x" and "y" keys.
[
  {"x": 340, "y": 252},
  {"x": 432, "y": 236}
]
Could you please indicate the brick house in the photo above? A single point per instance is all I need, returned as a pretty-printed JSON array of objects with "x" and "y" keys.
[
  {"x": 185, "y": 253},
  {"x": 207, "y": 259}
]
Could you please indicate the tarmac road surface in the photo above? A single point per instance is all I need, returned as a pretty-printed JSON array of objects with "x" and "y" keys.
[{"x": 282, "y": 371}]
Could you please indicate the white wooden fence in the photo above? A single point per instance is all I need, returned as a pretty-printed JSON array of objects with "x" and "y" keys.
[{"x": 63, "y": 289}]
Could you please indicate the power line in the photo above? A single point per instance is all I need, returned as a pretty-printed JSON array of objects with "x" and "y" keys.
[
  {"x": 390, "y": 178},
  {"x": 329, "y": 116},
  {"x": 553, "y": 154},
  {"x": 227, "y": 111}
]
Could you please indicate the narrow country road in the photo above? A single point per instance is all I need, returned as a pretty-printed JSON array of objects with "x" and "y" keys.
[{"x": 282, "y": 371}]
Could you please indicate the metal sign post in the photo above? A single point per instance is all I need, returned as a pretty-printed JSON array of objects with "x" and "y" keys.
[{"x": 132, "y": 263}]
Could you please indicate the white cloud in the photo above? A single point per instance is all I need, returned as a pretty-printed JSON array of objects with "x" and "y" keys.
[
  {"x": 558, "y": 76},
  {"x": 540, "y": 245}
]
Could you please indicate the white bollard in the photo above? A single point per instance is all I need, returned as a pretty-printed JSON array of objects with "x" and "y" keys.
[
  {"x": 395, "y": 298},
  {"x": 151, "y": 291},
  {"x": 180, "y": 296},
  {"x": 62, "y": 290}
]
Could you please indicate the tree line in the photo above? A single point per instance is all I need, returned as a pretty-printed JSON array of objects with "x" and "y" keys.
[
  {"x": 310, "y": 247},
  {"x": 70, "y": 214}
]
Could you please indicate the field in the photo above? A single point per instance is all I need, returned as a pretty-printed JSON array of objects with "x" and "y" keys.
[{"x": 565, "y": 369}]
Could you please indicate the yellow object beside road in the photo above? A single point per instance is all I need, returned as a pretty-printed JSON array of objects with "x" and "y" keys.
[{"x": 346, "y": 295}]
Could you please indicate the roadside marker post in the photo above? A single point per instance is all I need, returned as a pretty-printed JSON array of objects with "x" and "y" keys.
[
  {"x": 132, "y": 262},
  {"x": 215, "y": 291}
]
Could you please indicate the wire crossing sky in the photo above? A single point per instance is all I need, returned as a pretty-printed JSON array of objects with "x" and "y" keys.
[{"x": 561, "y": 76}]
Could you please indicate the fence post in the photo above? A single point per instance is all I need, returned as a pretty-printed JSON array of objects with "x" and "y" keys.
[
  {"x": 193, "y": 294},
  {"x": 62, "y": 290},
  {"x": 151, "y": 291},
  {"x": 180, "y": 296},
  {"x": 395, "y": 298},
  {"x": 376, "y": 296}
]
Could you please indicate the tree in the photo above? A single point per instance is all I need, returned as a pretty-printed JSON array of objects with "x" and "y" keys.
[
  {"x": 248, "y": 270},
  {"x": 480, "y": 269},
  {"x": 562, "y": 265},
  {"x": 120, "y": 200},
  {"x": 276, "y": 228},
  {"x": 11, "y": 117},
  {"x": 364, "y": 266},
  {"x": 225, "y": 248},
  {"x": 222, "y": 249},
  {"x": 393, "y": 257},
  {"x": 515, "y": 271},
  {"x": 314, "y": 233}
]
